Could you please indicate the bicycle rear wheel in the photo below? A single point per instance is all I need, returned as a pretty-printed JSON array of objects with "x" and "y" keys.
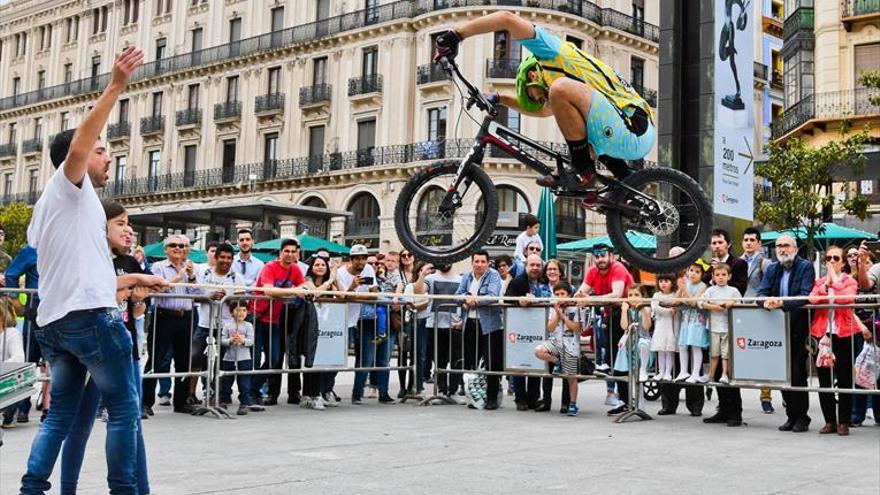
[
  {"x": 677, "y": 215},
  {"x": 440, "y": 223}
]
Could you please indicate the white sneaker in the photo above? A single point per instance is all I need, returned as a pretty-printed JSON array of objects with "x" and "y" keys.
[
  {"x": 306, "y": 403},
  {"x": 372, "y": 392},
  {"x": 666, "y": 378},
  {"x": 724, "y": 379},
  {"x": 164, "y": 400},
  {"x": 703, "y": 379},
  {"x": 329, "y": 401},
  {"x": 317, "y": 404},
  {"x": 602, "y": 367},
  {"x": 682, "y": 376},
  {"x": 643, "y": 376},
  {"x": 611, "y": 400},
  {"x": 690, "y": 379}
]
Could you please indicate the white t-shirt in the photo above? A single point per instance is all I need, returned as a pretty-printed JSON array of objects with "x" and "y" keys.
[
  {"x": 474, "y": 290},
  {"x": 410, "y": 296},
  {"x": 69, "y": 231},
  {"x": 439, "y": 284},
  {"x": 716, "y": 295},
  {"x": 562, "y": 336},
  {"x": 210, "y": 277},
  {"x": 11, "y": 346},
  {"x": 345, "y": 279},
  {"x": 523, "y": 241}
]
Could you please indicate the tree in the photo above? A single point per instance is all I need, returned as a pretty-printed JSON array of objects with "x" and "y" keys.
[
  {"x": 871, "y": 79},
  {"x": 15, "y": 218},
  {"x": 800, "y": 193}
]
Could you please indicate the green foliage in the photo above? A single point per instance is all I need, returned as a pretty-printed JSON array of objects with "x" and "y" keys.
[
  {"x": 871, "y": 79},
  {"x": 15, "y": 218},
  {"x": 801, "y": 179}
]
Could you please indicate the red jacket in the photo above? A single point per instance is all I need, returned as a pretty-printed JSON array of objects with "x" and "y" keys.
[{"x": 844, "y": 318}]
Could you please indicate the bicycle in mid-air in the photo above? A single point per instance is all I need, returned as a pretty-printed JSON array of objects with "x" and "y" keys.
[{"x": 447, "y": 211}]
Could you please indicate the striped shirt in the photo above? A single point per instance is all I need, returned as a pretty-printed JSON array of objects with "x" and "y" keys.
[{"x": 168, "y": 271}]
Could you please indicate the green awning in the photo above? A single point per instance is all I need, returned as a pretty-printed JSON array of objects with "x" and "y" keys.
[
  {"x": 640, "y": 241},
  {"x": 308, "y": 243},
  {"x": 829, "y": 233}
]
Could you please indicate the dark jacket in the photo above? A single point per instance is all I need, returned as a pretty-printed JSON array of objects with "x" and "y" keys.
[
  {"x": 800, "y": 283},
  {"x": 739, "y": 274},
  {"x": 520, "y": 286},
  {"x": 302, "y": 334}
]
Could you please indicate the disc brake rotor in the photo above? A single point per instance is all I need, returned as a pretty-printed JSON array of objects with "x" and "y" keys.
[{"x": 665, "y": 221}]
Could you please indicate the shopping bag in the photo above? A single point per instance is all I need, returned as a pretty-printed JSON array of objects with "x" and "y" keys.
[
  {"x": 865, "y": 368},
  {"x": 825, "y": 357}
]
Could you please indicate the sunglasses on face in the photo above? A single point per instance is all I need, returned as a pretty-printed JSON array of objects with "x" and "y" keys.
[
  {"x": 833, "y": 257},
  {"x": 535, "y": 248},
  {"x": 600, "y": 252},
  {"x": 177, "y": 246},
  {"x": 852, "y": 255},
  {"x": 405, "y": 255},
  {"x": 780, "y": 246}
]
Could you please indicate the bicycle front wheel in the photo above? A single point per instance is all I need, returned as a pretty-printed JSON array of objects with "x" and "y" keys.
[{"x": 442, "y": 223}]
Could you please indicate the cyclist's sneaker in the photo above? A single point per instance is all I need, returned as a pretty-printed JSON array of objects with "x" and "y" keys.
[{"x": 570, "y": 181}]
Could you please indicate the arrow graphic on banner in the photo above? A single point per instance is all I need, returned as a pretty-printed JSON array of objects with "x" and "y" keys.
[{"x": 747, "y": 155}]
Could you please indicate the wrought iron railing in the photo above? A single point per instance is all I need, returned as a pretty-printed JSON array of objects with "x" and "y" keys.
[
  {"x": 428, "y": 73},
  {"x": 118, "y": 130},
  {"x": 269, "y": 102},
  {"x": 370, "y": 83},
  {"x": 361, "y": 227},
  {"x": 761, "y": 71},
  {"x": 7, "y": 149},
  {"x": 189, "y": 116},
  {"x": 502, "y": 68},
  {"x": 828, "y": 105},
  {"x": 800, "y": 20},
  {"x": 227, "y": 110},
  {"x": 152, "y": 124},
  {"x": 313, "y": 95},
  {"x": 305, "y": 33},
  {"x": 34, "y": 145},
  {"x": 854, "y": 8},
  {"x": 650, "y": 95}
]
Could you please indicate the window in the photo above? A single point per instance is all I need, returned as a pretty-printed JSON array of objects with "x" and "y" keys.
[
  {"x": 163, "y": 7},
  {"x": 277, "y": 19},
  {"x": 16, "y": 85},
  {"x": 7, "y": 184},
  {"x": 41, "y": 79},
  {"x": 571, "y": 218},
  {"x": 65, "y": 121},
  {"x": 371, "y": 11},
  {"x": 161, "y": 44},
  {"x": 45, "y": 37},
  {"x": 96, "y": 21},
  {"x": 154, "y": 159},
  {"x": 157, "y": 104},
  {"x": 228, "y": 164},
  {"x": 370, "y": 61},
  {"x": 323, "y": 10},
  {"x": 637, "y": 73},
  {"x": 231, "y": 89},
  {"x": 365, "y": 208},
  {"x": 575, "y": 41},
  {"x": 12, "y": 133},
  {"x": 192, "y": 96},
  {"x": 189, "y": 165},
  {"x": 867, "y": 58},
  {"x": 68, "y": 30},
  {"x": 68, "y": 73},
  {"x": 319, "y": 72},
  {"x": 20, "y": 44},
  {"x": 510, "y": 199},
  {"x": 274, "y": 82},
  {"x": 638, "y": 10},
  {"x": 314, "y": 226},
  {"x": 234, "y": 29},
  {"x": 437, "y": 124},
  {"x": 96, "y": 65},
  {"x": 196, "y": 39},
  {"x": 316, "y": 148},
  {"x": 509, "y": 118},
  {"x": 104, "y": 12},
  {"x": 38, "y": 127},
  {"x": 123, "y": 110},
  {"x": 506, "y": 47},
  {"x": 33, "y": 180},
  {"x": 798, "y": 77},
  {"x": 130, "y": 12},
  {"x": 120, "y": 168},
  {"x": 366, "y": 142},
  {"x": 270, "y": 151}
]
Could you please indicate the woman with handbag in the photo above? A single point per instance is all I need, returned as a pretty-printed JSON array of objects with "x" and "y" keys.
[{"x": 836, "y": 325}]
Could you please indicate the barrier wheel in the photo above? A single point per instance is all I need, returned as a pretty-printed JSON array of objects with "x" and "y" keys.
[{"x": 651, "y": 390}]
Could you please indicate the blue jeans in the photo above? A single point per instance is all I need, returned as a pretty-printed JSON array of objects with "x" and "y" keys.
[
  {"x": 368, "y": 355},
  {"x": 74, "y": 448},
  {"x": 165, "y": 383},
  {"x": 96, "y": 342},
  {"x": 244, "y": 381},
  {"x": 271, "y": 346}
]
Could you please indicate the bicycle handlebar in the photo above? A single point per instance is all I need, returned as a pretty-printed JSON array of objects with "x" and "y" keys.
[{"x": 475, "y": 96}]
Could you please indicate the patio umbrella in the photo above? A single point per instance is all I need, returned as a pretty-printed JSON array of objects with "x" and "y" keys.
[
  {"x": 642, "y": 242},
  {"x": 547, "y": 217},
  {"x": 829, "y": 233},
  {"x": 156, "y": 251},
  {"x": 307, "y": 242}
]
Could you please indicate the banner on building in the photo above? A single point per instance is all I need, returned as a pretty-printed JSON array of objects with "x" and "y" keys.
[
  {"x": 734, "y": 174},
  {"x": 524, "y": 329}
]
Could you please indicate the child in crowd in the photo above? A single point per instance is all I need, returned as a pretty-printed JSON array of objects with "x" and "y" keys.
[
  {"x": 693, "y": 332},
  {"x": 527, "y": 237},
  {"x": 665, "y": 339},
  {"x": 238, "y": 338},
  {"x": 717, "y": 300},
  {"x": 11, "y": 350},
  {"x": 635, "y": 316},
  {"x": 562, "y": 346}
]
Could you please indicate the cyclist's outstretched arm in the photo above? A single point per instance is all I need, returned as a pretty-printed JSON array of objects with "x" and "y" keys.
[{"x": 503, "y": 20}]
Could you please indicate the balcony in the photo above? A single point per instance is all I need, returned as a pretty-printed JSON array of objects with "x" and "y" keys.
[
  {"x": 369, "y": 228},
  {"x": 502, "y": 68},
  {"x": 34, "y": 145},
  {"x": 430, "y": 73},
  {"x": 315, "y": 96},
  {"x": 28, "y": 198},
  {"x": 761, "y": 71},
  {"x": 309, "y": 32},
  {"x": 799, "y": 20},
  {"x": 853, "y": 11},
  {"x": 365, "y": 85},
  {"x": 829, "y": 106},
  {"x": 189, "y": 117},
  {"x": 650, "y": 95},
  {"x": 154, "y": 124},
  {"x": 118, "y": 131},
  {"x": 269, "y": 103},
  {"x": 227, "y": 111},
  {"x": 7, "y": 150}
]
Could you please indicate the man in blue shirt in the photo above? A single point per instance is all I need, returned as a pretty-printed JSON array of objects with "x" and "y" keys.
[{"x": 25, "y": 263}]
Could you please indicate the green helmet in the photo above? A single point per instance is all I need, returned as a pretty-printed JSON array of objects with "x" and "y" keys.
[{"x": 525, "y": 102}]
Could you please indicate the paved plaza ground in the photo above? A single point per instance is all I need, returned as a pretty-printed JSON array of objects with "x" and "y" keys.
[{"x": 403, "y": 448}]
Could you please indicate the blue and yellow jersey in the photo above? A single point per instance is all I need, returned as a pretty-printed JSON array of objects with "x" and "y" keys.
[{"x": 563, "y": 59}]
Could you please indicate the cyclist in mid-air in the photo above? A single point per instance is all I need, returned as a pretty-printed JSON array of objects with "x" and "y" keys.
[{"x": 596, "y": 109}]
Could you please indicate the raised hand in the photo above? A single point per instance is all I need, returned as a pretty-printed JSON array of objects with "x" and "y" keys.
[
  {"x": 125, "y": 64},
  {"x": 447, "y": 45}
]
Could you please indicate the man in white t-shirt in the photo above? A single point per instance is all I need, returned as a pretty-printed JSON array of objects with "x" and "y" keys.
[{"x": 79, "y": 329}]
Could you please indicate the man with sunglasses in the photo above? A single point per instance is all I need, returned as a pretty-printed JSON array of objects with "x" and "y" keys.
[
  {"x": 597, "y": 110},
  {"x": 608, "y": 279},
  {"x": 791, "y": 275}
]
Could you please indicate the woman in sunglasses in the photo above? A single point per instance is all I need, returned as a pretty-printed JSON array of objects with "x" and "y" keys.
[{"x": 839, "y": 323}]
